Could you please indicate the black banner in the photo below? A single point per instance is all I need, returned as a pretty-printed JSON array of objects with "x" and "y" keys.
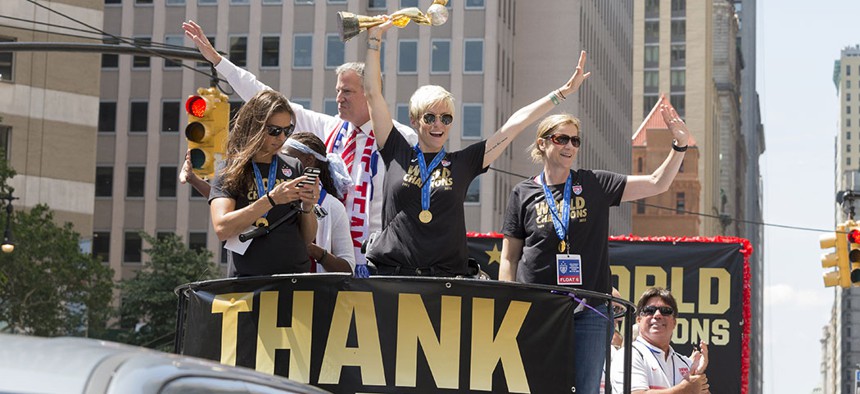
[
  {"x": 385, "y": 335},
  {"x": 708, "y": 277}
]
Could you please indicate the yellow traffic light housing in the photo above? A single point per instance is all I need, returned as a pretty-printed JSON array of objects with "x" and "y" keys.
[
  {"x": 206, "y": 132},
  {"x": 838, "y": 259},
  {"x": 853, "y": 236}
]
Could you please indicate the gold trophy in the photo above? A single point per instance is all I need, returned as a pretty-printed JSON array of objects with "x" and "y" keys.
[{"x": 349, "y": 24}]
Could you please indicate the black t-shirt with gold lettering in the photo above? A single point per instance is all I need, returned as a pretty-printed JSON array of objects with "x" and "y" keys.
[
  {"x": 404, "y": 240},
  {"x": 283, "y": 250},
  {"x": 528, "y": 217}
]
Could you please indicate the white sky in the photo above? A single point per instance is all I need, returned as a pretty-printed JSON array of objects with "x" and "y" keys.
[{"x": 798, "y": 42}]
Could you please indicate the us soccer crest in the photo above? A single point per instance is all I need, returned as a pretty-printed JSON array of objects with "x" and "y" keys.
[{"x": 577, "y": 189}]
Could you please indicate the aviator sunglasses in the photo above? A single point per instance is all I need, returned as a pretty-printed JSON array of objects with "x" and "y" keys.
[
  {"x": 446, "y": 119},
  {"x": 651, "y": 310},
  {"x": 561, "y": 139},
  {"x": 275, "y": 131}
]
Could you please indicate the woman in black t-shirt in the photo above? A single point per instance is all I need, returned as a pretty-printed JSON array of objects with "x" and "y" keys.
[
  {"x": 423, "y": 220},
  {"x": 256, "y": 186},
  {"x": 556, "y": 227}
]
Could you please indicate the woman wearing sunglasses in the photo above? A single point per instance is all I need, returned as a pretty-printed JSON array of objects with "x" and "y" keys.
[
  {"x": 556, "y": 227},
  {"x": 255, "y": 187},
  {"x": 424, "y": 230}
]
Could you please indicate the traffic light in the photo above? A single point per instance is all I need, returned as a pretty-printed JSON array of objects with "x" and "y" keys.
[
  {"x": 853, "y": 230},
  {"x": 206, "y": 132},
  {"x": 838, "y": 259}
]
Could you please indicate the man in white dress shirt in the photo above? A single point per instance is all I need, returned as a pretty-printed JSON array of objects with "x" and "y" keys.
[{"x": 349, "y": 133}]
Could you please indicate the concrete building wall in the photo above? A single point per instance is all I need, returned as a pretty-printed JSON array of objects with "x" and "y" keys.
[{"x": 49, "y": 106}]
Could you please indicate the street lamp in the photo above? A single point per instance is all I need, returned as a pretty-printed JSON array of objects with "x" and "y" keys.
[{"x": 8, "y": 246}]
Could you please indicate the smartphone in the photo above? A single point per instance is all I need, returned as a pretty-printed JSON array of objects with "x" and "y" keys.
[{"x": 312, "y": 173}]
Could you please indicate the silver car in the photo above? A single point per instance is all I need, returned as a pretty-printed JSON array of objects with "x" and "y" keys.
[{"x": 80, "y": 365}]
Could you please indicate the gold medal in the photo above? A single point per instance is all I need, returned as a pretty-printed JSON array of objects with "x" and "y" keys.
[
  {"x": 425, "y": 216},
  {"x": 262, "y": 222},
  {"x": 562, "y": 246}
]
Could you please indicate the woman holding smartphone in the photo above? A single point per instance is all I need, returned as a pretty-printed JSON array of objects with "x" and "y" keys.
[
  {"x": 332, "y": 250},
  {"x": 255, "y": 186}
]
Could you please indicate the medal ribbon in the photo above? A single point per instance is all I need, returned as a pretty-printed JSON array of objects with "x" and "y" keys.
[
  {"x": 559, "y": 225},
  {"x": 425, "y": 174},
  {"x": 261, "y": 191}
]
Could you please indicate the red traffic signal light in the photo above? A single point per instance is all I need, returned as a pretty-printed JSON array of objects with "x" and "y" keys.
[{"x": 206, "y": 132}]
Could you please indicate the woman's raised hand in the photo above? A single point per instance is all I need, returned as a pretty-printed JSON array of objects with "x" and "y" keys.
[{"x": 194, "y": 32}]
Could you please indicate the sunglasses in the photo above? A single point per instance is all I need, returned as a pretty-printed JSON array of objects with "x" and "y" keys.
[
  {"x": 446, "y": 119},
  {"x": 275, "y": 131},
  {"x": 561, "y": 139},
  {"x": 651, "y": 310}
]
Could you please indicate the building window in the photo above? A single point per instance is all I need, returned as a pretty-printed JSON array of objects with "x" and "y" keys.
[
  {"x": 474, "y": 4},
  {"x": 403, "y": 114},
  {"x": 679, "y": 31},
  {"x": 271, "y": 51},
  {"x": 440, "y": 56},
  {"x": 651, "y": 81},
  {"x": 679, "y": 80},
  {"x": 848, "y": 147},
  {"x": 847, "y": 84},
  {"x": 652, "y": 56},
  {"x": 197, "y": 241},
  {"x": 847, "y": 70},
  {"x": 407, "y": 59},
  {"x": 330, "y": 107},
  {"x": 207, "y": 2},
  {"x": 652, "y": 8},
  {"x": 304, "y": 2},
  {"x": 847, "y": 109},
  {"x": 137, "y": 120},
  {"x": 680, "y": 203},
  {"x": 5, "y": 141},
  {"x": 239, "y": 51},
  {"x": 848, "y": 123},
  {"x": 172, "y": 43},
  {"x": 104, "y": 181},
  {"x": 639, "y": 165},
  {"x": 175, "y": 2},
  {"x": 847, "y": 96},
  {"x": 167, "y": 181},
  {"x": 848, "y": 134},
  {"x": 110, "y": 60},
  {"x": 376, "y": 5},
  {"x": 143, "y": 2},
  {"x": 848, "y": 161},
  {"x": 679, "y": 102},
  {"x": 640, "y": 207},
  {"x": 141, "y": 61},
  {"x": 107, "y": 117},
  {"x": 135, "y": 181},
  {"x": 648, "y": 103},
  {"x": 333, "y": 51},
  {"x": 132, "y": 245},
  {"x": 473, "y": 60},
  {"x": 113, "y": 1},
  {"x": 652, "y": 32},
  {"x": 473, "y": 194},
  {"x": 302, "y": 50},
  {"x": 408, "y": 3},
  {"x": 679, "y": 8},
  {"x": 101, "y": 245},
  {"x": 679, "y": 55},
  {"x": 170, "y": 116},
  {"x": 472, "y": 117}
]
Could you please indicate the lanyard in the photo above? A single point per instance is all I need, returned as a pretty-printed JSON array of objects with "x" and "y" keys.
[
  {"x": 425, "y": 174},
  {"x": 273, "y": 168},
  {"x": 561, "y": 226}
]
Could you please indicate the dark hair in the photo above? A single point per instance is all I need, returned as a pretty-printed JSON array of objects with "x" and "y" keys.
[
  {"x": 664, "y": 295},
  {"x": 248, "y": 135},
  {"x": 315, "y": 143}
]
